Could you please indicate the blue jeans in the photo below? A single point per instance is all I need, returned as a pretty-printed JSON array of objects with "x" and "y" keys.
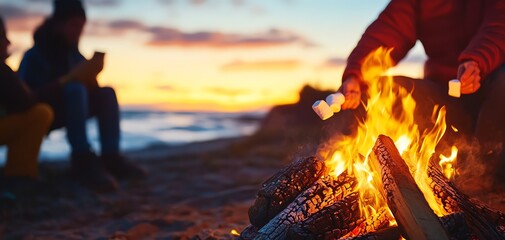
[{"x": 79, "y": 105}]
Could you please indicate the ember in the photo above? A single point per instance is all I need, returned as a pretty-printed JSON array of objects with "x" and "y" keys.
[{"x": 372, "y": 186}]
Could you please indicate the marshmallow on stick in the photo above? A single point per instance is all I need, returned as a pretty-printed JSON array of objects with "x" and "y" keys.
[
  {"x": 322, "y": 109},
  {"x": 455, "y": 88},
  {"x": 335, "y": 101}
]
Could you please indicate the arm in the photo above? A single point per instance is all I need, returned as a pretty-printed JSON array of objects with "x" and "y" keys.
[
  {"x": 487, "y": 48},
  {"x": 14, "y": 94},
  {"x": 394, "y": 28},
  {"x": 34, "y": 72}
]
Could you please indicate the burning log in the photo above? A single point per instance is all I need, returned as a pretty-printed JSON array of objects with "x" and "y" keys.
[
  {"x": 373, "y": 223},
  {"x": 331, "y": 222},
  {"x": 282, "y": 188},
  {"x": 406, "y": 201},
  {"x": 439, "y": 188},
  {"x": 382, "y": 234},
  {"x": 454, "y": 224},
  {"x": 486, "y": 223},
  {"x": 324, "y": 192}
]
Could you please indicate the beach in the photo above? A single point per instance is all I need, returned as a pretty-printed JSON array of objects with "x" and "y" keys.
[{"x": 198, "y": 190}]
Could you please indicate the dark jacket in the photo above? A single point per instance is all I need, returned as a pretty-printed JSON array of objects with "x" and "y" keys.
[
  {"x": 44, "y": 64},
  {"x": 451, "y": 31},
  {"x": 14, "y": 95}
]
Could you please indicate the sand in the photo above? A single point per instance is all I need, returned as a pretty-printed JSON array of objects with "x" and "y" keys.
[{"x": 199, "y": 191}]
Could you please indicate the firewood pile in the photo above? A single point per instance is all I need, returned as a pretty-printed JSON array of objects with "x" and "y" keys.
[{"x": 303, "y": 201}]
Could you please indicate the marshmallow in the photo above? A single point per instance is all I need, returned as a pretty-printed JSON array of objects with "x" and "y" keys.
[
  {"x": 335, "y": 101},
  {"x": 322, "y": 109},
  {"x": 455, "y": 88}
]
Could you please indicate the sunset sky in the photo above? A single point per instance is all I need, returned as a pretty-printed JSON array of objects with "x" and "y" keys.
[{"x": 217, "y": 55}]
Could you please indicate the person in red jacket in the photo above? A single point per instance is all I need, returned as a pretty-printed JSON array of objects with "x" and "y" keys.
[{"x": 463, "y": 39}]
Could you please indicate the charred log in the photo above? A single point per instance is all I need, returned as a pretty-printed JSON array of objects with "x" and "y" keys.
[
  {"x": 444, "y": 197},
  {"x": 282, "y": 188},
  {"x": 454, "y": 224},
  {"x": 414, "y": 216},
  {"x": 486, "y": 223},
  {"x": 331, "y": 222},
  {"x": 324, "y": 192},
  {"x": 388, "y": 233},
  {"x": 248, "y": 233},
  {"x": 373, "y": 223}
]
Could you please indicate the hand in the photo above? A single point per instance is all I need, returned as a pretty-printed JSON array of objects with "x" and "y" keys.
[
  {"x": 352, "y": 92},
  {"x": 85, "y": 73},
  {"x": 97, "y": 62},
  {"x": 469, "y": 75}
]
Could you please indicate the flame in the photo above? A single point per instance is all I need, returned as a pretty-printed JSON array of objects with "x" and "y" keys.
[
  {"x": 447, "y": 163},
  {"x": 390, "y": 111},
  {"x": 234, "y": 232}
]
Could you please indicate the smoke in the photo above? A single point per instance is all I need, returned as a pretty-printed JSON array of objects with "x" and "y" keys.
[{"x": 478, "y": 166}]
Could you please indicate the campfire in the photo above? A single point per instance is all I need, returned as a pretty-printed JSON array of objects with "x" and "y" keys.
[{"x": 383, "y": 182}]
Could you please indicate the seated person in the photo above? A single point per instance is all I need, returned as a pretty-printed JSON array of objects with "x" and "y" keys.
[
  {"x": 23, "y": 122},
  {"x": 56, "y": 70}
]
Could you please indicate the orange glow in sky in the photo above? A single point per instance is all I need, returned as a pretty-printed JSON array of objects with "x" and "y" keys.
[{"x": 212, "y": 55}]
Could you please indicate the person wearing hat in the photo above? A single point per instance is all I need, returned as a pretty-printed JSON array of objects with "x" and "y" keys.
[
  {"x": 23, "y": 122},
  {"x": 63, "y": 78}
]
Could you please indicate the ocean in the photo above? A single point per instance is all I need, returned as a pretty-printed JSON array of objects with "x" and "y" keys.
[{"x": 140, "y": 129}]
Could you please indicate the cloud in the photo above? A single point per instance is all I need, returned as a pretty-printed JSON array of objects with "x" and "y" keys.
[
  {"x": 264, "y": 65},
  {"x": 198, "y": 2},
  {"x": 94, "y": 3},
  {"x": 227, "y": 91},
  {"x": 19, "y": 19},
  {"x": 335, "y": 62},
  {"x": 167, "y": 2},
  {"x": 162, "y": 36},
  {"x": 14, "y": 12},
  {"x": 167, "y": 37},
  {"x": 166, "y": 87},
  {"x": 102, "y": 3},
  {"x": 40, "y": 1},
  {"x": 124, "y": 25}
]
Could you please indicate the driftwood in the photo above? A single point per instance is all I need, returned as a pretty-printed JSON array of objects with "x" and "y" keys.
[
  {"x": 414, "y": 216},
  {"x": 486, "y": 223},
  {"x": 282, "y": 188},
  {"x": 324, "y": 192},
  {"x": 331, "y": 222}
]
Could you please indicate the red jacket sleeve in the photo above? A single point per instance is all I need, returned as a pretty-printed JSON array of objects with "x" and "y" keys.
[
  {"x": 394, "y": 28},
  {"x": 487, "y": 48}
]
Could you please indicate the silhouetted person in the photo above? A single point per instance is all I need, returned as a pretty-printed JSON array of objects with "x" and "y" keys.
[
  {"x": 23, "y": 122},
  {"x": 463, "y": 40},
  {"x": 62, "y": 77}
]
